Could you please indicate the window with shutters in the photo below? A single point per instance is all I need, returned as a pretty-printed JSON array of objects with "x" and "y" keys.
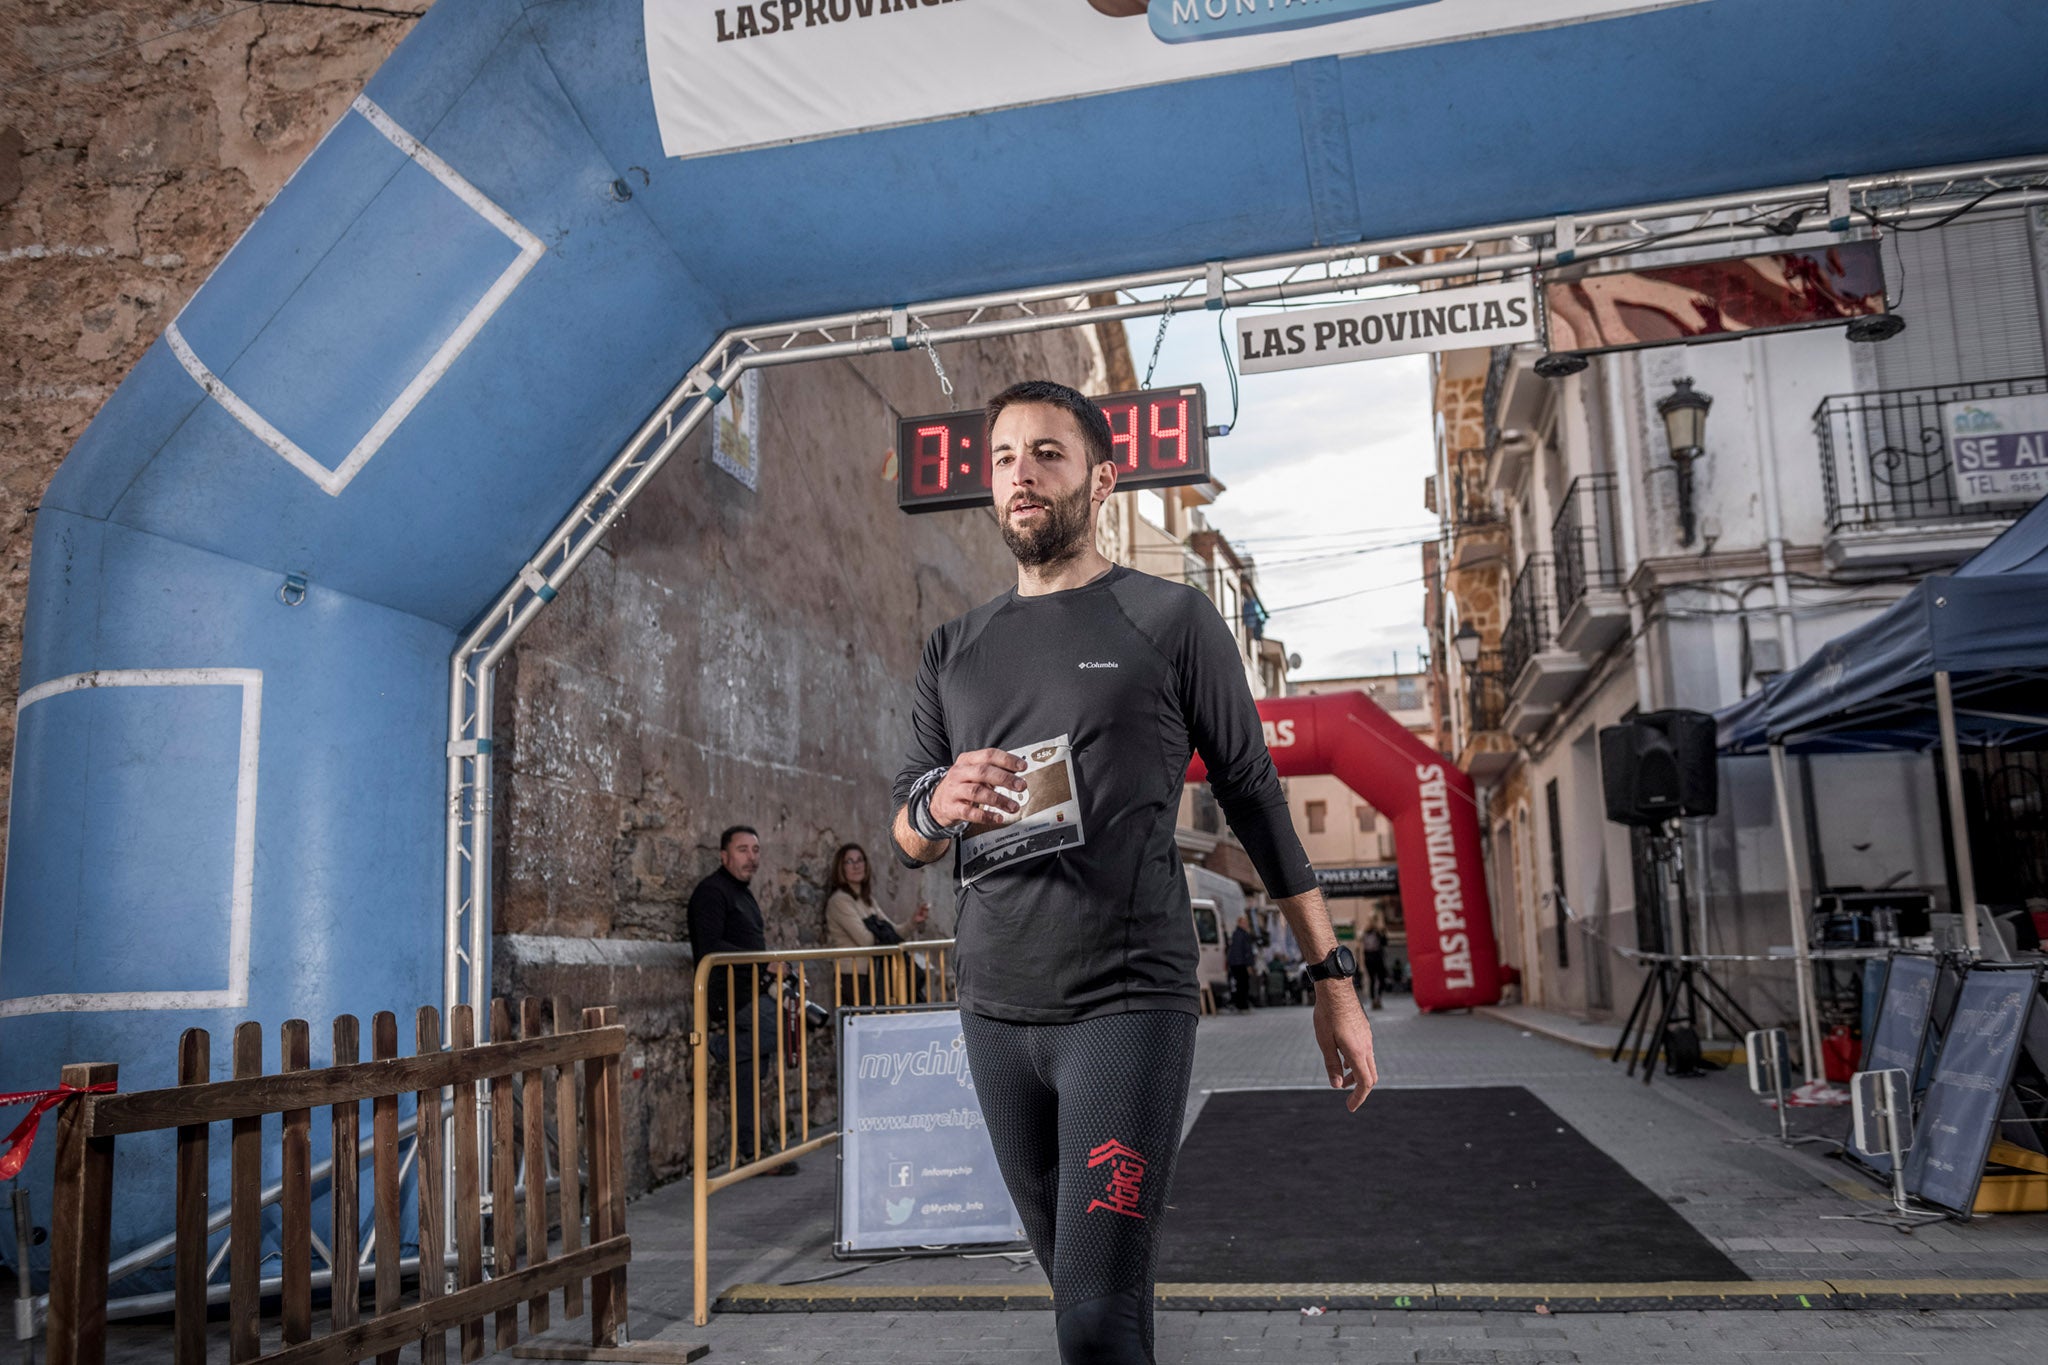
[
  {"x": 1970, "y": 295},
  {"x": 1318, "y": 815}
]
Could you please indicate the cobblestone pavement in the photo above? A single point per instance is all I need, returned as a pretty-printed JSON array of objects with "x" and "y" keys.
[
  {"x": 1768, "y": 1207},
  {"x": 1724, "y": 1338}
]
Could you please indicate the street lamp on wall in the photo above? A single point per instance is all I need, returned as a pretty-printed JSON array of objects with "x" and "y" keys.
[
  {"x": 1467, "y": 643},
  {"x": 1685, "y": 430}
]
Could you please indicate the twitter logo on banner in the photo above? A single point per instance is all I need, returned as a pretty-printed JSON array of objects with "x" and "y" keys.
[{"x": 898, "y": 1210}]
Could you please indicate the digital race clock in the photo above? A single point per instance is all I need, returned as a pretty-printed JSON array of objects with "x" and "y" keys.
[{"x": 1157, "y": 438}]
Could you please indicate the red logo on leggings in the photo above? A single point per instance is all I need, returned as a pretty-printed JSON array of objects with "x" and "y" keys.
[{"x": 1126, "y": 1174}]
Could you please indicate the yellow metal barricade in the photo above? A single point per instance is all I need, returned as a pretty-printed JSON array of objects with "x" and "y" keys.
[{"x": 769, "y": 985}]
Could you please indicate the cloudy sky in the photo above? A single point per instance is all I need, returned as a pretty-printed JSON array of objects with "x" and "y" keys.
[{"x": 1324, "y": 475}]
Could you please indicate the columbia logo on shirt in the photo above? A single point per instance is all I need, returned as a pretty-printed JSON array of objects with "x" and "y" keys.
[{"x": 1104, "y": 664}]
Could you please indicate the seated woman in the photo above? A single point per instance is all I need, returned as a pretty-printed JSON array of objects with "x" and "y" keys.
[{"x": 854, "y": 920}]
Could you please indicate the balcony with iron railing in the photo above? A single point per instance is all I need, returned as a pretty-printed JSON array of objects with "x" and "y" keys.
[
  {"x": 1484, "y": 749},
  {"x": 1894, "y": 496},
  {"x": 1532, "y": 623},
  {"x": 1478, "y": 530},
  {"x": 1486, "y": 692},
  {"x": 1498, "y": 366},
  {"x": 1591, "y": 612},
  {"x": 1540, "y": 672},
  {"x": 1514, "y": 396}
]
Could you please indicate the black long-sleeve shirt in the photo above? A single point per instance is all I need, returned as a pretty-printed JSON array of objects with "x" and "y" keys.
[
  {"x": 1141, "y": 673},
  {"x": 725, "y": 918}
]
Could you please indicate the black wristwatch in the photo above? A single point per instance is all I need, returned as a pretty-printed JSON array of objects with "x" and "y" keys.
[{"x": 1340, "y": 965}]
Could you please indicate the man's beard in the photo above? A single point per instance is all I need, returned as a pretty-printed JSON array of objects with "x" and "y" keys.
[{"x": 1059, "y": 534}]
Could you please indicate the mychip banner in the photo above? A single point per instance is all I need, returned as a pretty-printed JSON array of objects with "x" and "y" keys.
[
  {"x": 734, "y": 74},
  {"x": 916, "y": 1168}
]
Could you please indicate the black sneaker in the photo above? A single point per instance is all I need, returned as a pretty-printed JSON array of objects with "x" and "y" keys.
[{"x": 786, "y": 1168}]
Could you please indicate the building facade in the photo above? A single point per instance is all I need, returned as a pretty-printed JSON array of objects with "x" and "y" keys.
[{"x": 1602, "y": 577}]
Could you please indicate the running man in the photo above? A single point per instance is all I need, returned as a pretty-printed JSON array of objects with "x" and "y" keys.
[{"x": 1077, "y": 946}]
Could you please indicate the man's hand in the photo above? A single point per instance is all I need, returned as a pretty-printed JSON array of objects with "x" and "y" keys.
[
  {"x": 982, "y": 778},
  {"x": 1346, "y": 1040},
  {"x": 975, "y": 780}
]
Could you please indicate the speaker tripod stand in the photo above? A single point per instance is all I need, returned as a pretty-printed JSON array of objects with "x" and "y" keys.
[{"x": 1680, "y": 986}]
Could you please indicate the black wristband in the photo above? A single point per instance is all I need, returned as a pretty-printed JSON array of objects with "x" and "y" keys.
[{"x": 920, "y": 809}]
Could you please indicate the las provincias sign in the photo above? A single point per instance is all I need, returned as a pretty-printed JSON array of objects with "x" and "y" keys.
[{"x": 1372, "y": 329}]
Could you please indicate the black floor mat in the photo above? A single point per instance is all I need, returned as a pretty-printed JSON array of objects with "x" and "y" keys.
[{"x": 1484, "y": 1184}]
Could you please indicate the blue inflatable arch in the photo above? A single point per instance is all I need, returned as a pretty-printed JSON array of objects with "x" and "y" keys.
[{"x": 251, "y": 574}]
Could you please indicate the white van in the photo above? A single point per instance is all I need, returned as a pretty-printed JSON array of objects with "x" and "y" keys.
[{"x": 1217, "y": 902}]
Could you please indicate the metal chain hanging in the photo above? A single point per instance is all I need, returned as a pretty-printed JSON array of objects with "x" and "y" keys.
[
  {"x": 924, "y": 339},
  {"x": 1157, "y": 342}
]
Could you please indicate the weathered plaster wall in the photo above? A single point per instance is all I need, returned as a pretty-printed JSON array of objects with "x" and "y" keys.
[
  {"x": 733, "y": 656},
  {"x": 138, "y": 139}
]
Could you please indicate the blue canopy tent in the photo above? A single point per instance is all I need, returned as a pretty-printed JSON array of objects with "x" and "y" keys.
[
  {"x": 1874, "y": 688},
  {"x": 1961, "y": 659}
]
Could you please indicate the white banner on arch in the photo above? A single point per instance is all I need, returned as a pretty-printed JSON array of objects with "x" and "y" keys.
[{"x": 733, "y": 74}]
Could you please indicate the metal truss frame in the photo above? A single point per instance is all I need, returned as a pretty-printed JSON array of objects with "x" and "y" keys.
[{"x": 1859, "y": 205}]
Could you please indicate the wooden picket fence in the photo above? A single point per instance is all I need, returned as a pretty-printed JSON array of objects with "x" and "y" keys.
[{"x": 525, "y": 1060}]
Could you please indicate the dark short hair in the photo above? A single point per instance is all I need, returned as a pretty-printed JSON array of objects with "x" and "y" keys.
[
  {"x": 1094, "y": 426},
  {"x": 731, "y": 832}
]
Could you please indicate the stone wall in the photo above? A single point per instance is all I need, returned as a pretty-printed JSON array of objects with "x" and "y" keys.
[
  {"x": 735, "y": 656},
  {"x": 137, "y": 140}
]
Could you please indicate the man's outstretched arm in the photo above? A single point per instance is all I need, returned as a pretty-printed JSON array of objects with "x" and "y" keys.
[{"x": 1341, "y": 1028}]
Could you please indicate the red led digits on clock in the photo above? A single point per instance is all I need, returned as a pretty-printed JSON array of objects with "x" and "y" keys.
[
  {"x": 1156, "y": 440},
  {"x": 1175, "y": 435},
  {"x": 930, "y": 460},
  {"x": 1123, "y": 436}
]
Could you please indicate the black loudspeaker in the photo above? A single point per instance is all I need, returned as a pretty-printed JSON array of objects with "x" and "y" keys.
[{"x": 1659, "y": 766}]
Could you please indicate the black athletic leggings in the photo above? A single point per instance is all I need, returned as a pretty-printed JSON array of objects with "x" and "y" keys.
[{"x": 1085, "y": 1120}]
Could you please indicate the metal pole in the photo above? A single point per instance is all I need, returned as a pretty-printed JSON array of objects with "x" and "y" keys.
[
  {"x": 25, "y": 1297},
  {"x": 1621, "y": 438},
  {"x": 1763, "y": 429},
  {"x": 1777, "y": 1066},
  {"x": 1892, "y": 1100},
  {"x": 1795, "y": 909},
  {"x": 479, "y": 945},
  {"x": 700, "y": 1141},
  {"x": 1958, "y": 817}
]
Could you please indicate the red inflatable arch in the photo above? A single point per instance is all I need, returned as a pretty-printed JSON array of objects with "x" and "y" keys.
[{"x": 1436, "y": 832}]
